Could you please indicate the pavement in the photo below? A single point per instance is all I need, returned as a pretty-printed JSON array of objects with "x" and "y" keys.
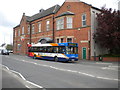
[
  {"x": 10, "y": 80},
  {"x": 14, "y": 80},
  {"x": 98, "y": 62}
]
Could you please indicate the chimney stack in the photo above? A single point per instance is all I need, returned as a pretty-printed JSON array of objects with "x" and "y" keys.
[
  {"x": 72, "y": 0},
  {"x": 41, "y": 10},
  {"x": 23, "y": 14}
]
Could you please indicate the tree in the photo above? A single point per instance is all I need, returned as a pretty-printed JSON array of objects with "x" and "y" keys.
[
  {"x": 108, "y": 30},
  {"x": 9, "y": 47}
]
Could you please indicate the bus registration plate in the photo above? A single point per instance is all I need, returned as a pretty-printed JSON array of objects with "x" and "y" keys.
[{"x": 72, "y": 59}]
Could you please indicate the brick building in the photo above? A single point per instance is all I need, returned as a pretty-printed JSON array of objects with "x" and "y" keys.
[{"x": 70, "y": 22}]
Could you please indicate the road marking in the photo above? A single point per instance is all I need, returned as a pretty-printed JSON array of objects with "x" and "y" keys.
[
  {"x": 23, "y": 60},
  {"x": 90, "y": 75},
  {"x": 27, "y": 86},
  {"x": 5, "y": 67},
  {"x": 35, "y": 63},
  {"x": 18, "y": 74},
  {"x": 23, "y": 78},
  {"x": 35, "y": 84},
  {"x": 111, "y": 68},
  {"x": 107, "y": 78},
  {"x": 87, "y": 74},
  {"x": 102, "y": 63},
  {"x": 114, "y": 66}
]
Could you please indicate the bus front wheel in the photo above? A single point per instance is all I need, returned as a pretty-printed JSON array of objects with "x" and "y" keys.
[{"x": 56, "y": 59}]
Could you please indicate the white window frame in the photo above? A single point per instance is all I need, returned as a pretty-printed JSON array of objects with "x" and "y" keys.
[
  {"x": 59, "y": 40},
  {"x": 18, "y": 32},
  {"x": 57, "y": 24},
  {"x": 39, "y": 27},
  {"x": 33, "y": 29},
  {"x": 15, "y": 33},
  {"x": 28, "y": 29},
  {"x": 23, "y": 30},
  {"x": 69, "y": 37},
  {"x": 47, "y": 25},
  {"x": 69, "y": 22},
  {"x": 84, "y": 20},
  {"x": 60, "y": 23}
]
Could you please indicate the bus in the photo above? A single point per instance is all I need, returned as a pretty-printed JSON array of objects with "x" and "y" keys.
[{"x": 54, "y": 51}]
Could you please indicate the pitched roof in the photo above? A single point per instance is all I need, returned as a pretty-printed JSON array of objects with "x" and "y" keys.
[
  {"x": 44, "y": 13},
  {"x": 28, "y": 18},
  {"x": 64, "y": 14},
  {"x": 16, "y": 26}
]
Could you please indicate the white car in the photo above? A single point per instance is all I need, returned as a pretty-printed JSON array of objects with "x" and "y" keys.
[{"x": 3, "y": 51}]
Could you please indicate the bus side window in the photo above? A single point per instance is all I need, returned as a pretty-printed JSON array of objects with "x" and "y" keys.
[
  {"x": 55, "y": 49},
  {"x": 38, "y": 49},
  {"x": 32, "y": 50},
  {"x": 29, "y": 49},
  {"x": 60, "y": 50},
  {"x": 44, "y": 49},
  {"x": 41, "y": 49},
  {"x": 49, "y": 49},
  {"x": 63, "y": 50}
]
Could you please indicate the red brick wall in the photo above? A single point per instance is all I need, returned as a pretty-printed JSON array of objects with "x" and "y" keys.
[
  {"x": 78, "y": 9},
  {"x": 44, "y": 32},
  {"x": 17, "y": 39},
  {"x": 108, "y": 59},
  {"x": 78, "y": 32}
]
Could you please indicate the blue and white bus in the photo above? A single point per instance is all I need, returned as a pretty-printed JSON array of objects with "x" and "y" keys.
[{"x": 54, "y": 51}]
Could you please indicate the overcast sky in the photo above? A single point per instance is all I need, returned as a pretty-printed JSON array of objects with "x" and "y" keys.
[{"x": 11, "y": 12}]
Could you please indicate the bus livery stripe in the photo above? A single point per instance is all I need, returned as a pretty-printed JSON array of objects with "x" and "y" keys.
[{"x": 53, "y": 44}]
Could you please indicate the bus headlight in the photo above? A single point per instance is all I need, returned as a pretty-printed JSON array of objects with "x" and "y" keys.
[{"x": 67, "y": 57}]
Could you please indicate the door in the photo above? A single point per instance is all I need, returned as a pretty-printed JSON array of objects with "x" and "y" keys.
[{"x": 83, "y": 53}]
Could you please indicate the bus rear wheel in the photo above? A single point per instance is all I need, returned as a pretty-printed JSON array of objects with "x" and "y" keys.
[
  {"x": 56, "y": 59},
  {"x": 34, "y": 57}
]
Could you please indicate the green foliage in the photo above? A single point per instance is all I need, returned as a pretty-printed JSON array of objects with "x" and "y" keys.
[
  {"x": 108, "y": 30},
  {"x": 9, "y": 47}
]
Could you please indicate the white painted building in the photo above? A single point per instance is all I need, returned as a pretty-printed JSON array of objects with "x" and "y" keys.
[
  {"x": 119, "y": 5},
  {"x": 96, "y": 49}
]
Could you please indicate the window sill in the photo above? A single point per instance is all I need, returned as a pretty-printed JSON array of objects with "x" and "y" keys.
[
  {"x": 48, "y": 30},
  {"x": 65, "y": 29},
  {"x": 85, "y": 26}
]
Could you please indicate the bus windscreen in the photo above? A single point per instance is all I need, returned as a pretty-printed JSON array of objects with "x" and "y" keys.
[{"x": 71, "y": 50}]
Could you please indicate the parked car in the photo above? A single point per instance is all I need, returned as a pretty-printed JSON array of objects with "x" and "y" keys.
[
  {"x": 10, "y": 51},
  {"x": 1, "y": 48},
  {"x": 4, "y": 52}
]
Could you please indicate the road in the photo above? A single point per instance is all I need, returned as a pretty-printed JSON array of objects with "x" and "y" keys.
[{"x": 50, "y": 74}]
